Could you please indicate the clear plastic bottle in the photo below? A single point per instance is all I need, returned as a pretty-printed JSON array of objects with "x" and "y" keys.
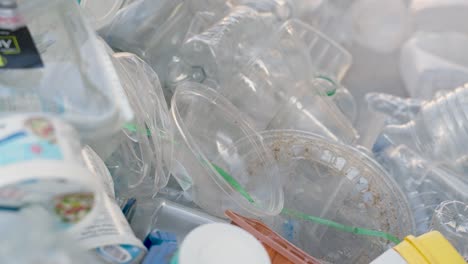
[
  {"x": 451, "y": 219},
  {"x": 425, "y": 184},
  {"x": 437, "y": 131}
]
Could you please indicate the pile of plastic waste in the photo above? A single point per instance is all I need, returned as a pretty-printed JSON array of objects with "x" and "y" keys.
[{"x": 233, "y": 131}]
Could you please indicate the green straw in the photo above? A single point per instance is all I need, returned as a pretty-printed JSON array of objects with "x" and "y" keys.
[{"x": 317, "y": 220}]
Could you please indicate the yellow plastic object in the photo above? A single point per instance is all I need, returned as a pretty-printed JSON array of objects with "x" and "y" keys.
[{"x": 430, "y": 248}]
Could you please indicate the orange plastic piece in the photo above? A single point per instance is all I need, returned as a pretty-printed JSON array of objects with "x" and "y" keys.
[{"x": 279, "y": 249}]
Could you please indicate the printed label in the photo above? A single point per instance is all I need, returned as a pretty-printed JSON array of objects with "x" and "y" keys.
[
  {"x": 111, "y": 235},
  {"x": 17, "y": 48},
  {"x": 38, "y": 166},
  {"x": 63, "y": 198},
  {"x": 27, "y": 138}
]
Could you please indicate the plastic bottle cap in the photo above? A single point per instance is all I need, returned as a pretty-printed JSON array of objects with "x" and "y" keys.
[
  {"x": 222, "y": 243},
  {"x": 431, "y": 248}
]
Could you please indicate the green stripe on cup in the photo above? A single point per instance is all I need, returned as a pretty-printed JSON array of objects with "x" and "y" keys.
[{"x": 317, "y": 220}]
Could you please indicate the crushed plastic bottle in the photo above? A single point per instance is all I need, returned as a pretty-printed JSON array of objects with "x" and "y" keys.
[{"x": 435, "y": 128}]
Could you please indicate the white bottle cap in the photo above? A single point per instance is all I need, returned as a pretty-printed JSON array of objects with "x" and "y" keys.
[{"x": 222, "y": 243}]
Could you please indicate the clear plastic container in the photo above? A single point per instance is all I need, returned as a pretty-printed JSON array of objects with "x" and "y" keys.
[
  {"x": 155, "y": 30},
  {"x": 141, "y": 162},
  {"x": 425, "y": 184},
  {"x": 220, "y": 50},
  {"x": 291, "y": 83},
  {"x": 327, "y": 186},
  {"x": 431, "y": 62},
  {"x": 76, "y": 79},
  {"x": 451, "y": 219},
  {"x": 208, "y": 126}
]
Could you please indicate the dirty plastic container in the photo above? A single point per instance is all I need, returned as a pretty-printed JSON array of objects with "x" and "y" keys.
[
  {"x": 41, "y": 165},
  {"x": 141, "y": 161},
  {"x": 221, "y": 243},
  {"x": 207, "y": 126},
  {"x": 281, "y": 10},
  {"x": 451, "y": 219},
  {"x": 431, "y": 62},
  {"x": 331, "y": 191},
  {"x": 59, "y": 67}
]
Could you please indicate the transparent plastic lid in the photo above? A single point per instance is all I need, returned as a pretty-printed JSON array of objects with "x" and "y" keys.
[
  {"x": 338, "y": 201},
  {"x": 144, "y": 155},
  {"x": 59, "y": 67},
  {"x": 208, "y": 126}
]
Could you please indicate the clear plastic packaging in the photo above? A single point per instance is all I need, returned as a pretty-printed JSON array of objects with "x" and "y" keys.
[
  {"x": 431, "y": 62},
  {"x": 218, "y": 51},
  {"x": 435, "y": 129},
  {"x": 328, "y": 186},
  {"x": 291, "y": 82},
  {"x": 207, "y": 127},
  {"x": 141, "y": 162},
  {"x": 425, "y": 184},
  {"x": 451, "y": 219},
  {"x": 75, "y": 80},
  {"x": 154, "y": 30}
]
